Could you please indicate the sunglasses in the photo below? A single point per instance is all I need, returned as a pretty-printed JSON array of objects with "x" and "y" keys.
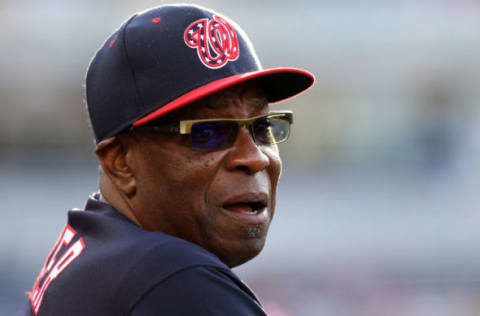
[{"x": 217, "y": 134}]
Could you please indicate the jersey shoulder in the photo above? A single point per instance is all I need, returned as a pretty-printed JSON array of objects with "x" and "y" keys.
[
  {"x": 106, "y": 260},
  {"x": 199, "y": 291},
  {"x": 134, "y": 260}
]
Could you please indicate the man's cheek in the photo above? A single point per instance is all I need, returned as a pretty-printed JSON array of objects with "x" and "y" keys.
[{"x": 199, "y": 159}]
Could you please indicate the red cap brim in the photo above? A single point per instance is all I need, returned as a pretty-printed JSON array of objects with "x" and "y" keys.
[{"x": 279, "y": 84}]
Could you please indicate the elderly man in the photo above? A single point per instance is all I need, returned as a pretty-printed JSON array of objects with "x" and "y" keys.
[{"x": 179, "y": 106}]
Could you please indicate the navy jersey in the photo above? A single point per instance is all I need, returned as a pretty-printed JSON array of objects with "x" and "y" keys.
[{"x": 104, "y": 264}]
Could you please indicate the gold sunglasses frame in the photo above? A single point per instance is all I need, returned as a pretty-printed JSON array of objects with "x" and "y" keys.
[{"x": 185, "y": 126}]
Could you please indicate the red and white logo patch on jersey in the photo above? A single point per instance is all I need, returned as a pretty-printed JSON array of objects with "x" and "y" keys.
[
  {"x": 215, "y": 40},
  {"x": 59, "y": 258}
]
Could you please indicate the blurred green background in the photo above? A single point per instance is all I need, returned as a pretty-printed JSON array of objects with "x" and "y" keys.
[{"x": 377, "y": 210}]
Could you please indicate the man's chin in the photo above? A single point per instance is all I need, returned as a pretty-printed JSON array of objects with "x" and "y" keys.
[{"x": 241, "y": 253}]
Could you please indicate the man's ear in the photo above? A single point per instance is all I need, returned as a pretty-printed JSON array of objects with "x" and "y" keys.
[{"x": 113, "y": 155}]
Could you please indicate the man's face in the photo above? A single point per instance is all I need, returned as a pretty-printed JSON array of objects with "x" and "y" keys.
[{"x": 221, "y": 200}]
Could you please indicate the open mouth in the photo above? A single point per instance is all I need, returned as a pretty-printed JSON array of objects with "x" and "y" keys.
[{"x": 246, "y": 207}]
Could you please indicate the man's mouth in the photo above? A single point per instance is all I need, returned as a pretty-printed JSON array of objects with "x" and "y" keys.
[
  {"x": 246, "y": 207},
  {"x": 249, "y": 203}
]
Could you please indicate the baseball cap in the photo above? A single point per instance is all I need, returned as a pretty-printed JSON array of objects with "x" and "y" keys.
[{"x": 167, "y": 57}]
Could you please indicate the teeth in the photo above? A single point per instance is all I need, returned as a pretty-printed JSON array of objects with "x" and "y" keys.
[
  {"x": 252, "y": 208},
  {"x": 257, "y": 206}
]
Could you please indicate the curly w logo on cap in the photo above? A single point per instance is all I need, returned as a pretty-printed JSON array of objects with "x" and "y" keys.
[{"x": 215, "y": 40}]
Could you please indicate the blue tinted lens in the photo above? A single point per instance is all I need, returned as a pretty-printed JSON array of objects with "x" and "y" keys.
[
  {"x": 271, "y": 130},
  {"x": 213, "y": 135}
]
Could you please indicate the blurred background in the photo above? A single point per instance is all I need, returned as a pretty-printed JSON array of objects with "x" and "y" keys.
[{"x": 378, "y": 203}]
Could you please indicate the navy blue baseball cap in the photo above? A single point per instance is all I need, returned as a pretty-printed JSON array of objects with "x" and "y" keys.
[{"x": 167, "y": 57}]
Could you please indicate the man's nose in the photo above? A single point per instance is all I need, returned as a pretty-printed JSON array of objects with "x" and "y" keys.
[{"x": 245, "y": 155}]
